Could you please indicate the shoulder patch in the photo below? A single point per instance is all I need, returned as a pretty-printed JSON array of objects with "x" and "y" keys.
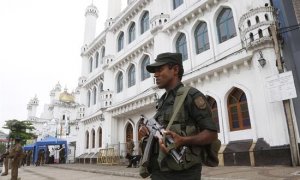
[
  {"x": 200, "y": 102},
  {"x": 193, "y": 91}
]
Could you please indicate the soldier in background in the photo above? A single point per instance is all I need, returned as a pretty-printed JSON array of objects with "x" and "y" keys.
[
  {"x": 42, "y": 159},
  {"x": 39, "y": 160},
  {"x": 62, "y": 158},
  {"x": 5, "y": 161},
  {"x": 16, "y": 154},
  {"x": 47, "y": 153},
  {"x": 23, "y": 160},
  {"x": 28, "y": 158}
]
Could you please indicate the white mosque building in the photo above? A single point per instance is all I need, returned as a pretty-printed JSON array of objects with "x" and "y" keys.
[
  {"x": 228, "y": 53},
  {"x": 59, "y": 118}
]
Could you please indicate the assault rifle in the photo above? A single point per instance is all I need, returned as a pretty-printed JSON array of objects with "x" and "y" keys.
[{"x": 156, "y": 130}]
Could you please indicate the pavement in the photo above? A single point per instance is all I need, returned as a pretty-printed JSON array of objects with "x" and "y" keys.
[{"x": 208, "y": 173}]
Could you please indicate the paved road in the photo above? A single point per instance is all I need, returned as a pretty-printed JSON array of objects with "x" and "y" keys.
[
  {"x": 111, "y": 172},
  {"x": 50, "y": 173}
]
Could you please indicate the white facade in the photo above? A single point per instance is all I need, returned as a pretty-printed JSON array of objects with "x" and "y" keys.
[
  {"x": 60, "y": 117},
  {"x": 218, "y": 71}
]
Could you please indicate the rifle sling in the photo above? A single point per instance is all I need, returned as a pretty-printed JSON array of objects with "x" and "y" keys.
[{"x": 178, "y": 103}]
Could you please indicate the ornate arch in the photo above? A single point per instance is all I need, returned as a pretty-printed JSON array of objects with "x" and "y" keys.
[
  {"x": 128, "y": 130},
  {"x": 93, "y": 134},
  {"x": 238, "y": 111},
  {"x": 100, "y": 136},
  {"x": 87, "y": 139}
]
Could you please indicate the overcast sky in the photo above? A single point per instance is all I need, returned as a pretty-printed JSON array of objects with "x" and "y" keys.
[{"x": 40, "y": 43}]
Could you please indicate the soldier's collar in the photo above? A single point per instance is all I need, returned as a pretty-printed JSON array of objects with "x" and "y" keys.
[{"x": 174, "y": 91}]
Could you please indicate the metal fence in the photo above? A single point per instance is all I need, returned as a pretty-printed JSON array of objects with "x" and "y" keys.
[{"x": 115, "y": 153}]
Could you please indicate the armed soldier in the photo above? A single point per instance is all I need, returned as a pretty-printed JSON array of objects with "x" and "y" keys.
[
  {"x": 16, "y": 154},
  {"x": 5, "y": 161},
  {"x": 192, "y": 127},
  {"x": 28, "y": 157}
]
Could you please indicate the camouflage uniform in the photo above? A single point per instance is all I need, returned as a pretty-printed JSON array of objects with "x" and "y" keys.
[
  {"x": 197, "y": 114},
  {"x": 28, "y": 158},
  {"x": 5, "y": 162},
  {"x": 194, "y": 117},
  {"x": 40, "y": 157},
  {"x": 16, "y": 155}
]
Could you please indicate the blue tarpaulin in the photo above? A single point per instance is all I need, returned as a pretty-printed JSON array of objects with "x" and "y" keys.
[
  {"x": 28, "y": 147},
  {"x": 50, "y": 140}
]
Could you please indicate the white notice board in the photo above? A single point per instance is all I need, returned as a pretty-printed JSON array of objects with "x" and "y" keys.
[{"x": 281, "y": 87}]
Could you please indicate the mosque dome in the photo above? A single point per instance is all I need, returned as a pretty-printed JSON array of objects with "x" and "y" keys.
[{"x": 66, "y": 97}]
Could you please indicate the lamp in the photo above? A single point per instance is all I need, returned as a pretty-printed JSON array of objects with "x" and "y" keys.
[{"x": 261, "y": 60}]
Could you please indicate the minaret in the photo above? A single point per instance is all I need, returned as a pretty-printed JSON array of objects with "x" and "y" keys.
[
  {"x": 57, "y": 91},
  {"x": 32, "y": 107},
  {"x": 91, "y": 15},
  {"x": 114, "y": 8}
]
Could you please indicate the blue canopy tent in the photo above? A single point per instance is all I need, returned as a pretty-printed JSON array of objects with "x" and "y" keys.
[
  {"x": 28, "y": 147},
  {"x": 50, "y": 140}
]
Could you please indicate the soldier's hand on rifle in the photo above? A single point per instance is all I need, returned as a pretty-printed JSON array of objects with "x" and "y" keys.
[
  {"x": 178, "y": 140},
  {"x": 144, "y": 131},
  {"x": 163, "y": 147}
]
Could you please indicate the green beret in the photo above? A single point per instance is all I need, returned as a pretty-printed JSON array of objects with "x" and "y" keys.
[{"x": 165, "y": 58}]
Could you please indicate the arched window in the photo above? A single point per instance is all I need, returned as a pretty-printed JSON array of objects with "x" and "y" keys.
[
  {"x": 131, "y": 76},
  {"x": 129, "y": 132},
  {"x": 177, "y": 3},
  {"x": 121, "y": 41},
  {"x": 249, "y": 23},
  {"x": 251, "y": 37},
  {"x": 181, "y": 46},
  {"x": 260, "y": 33},
  {"x": 100, "y": 137},
  {"x": 257, "y": 19},
  {"x": 93, "y": 138},
  {"x": 201, "y": 38},
  {"x": 238, "y": 112},
  {"x": 144, "y": 73},
  {"x": 131, "y": 33},
  {"x": 97, "y": 59},
  {"x": 102, "y": 55},
  {"x": 145, "y": 22},
  {"x": 87, "y": 138},
  {"x": 225, "y": 25},
  {"x": 214, "y": 110},
  {"x": 89, "y": 98},
  {"x": 101, "y": 87},
  {"x": 94, "y": 95},
  {"x": 91, "y": 64},
  {"x": 266, "y": 17},
  {"x": 120, "y": 82}
]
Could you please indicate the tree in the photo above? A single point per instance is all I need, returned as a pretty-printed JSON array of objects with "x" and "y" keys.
[{"x": 21, "y": 129}]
